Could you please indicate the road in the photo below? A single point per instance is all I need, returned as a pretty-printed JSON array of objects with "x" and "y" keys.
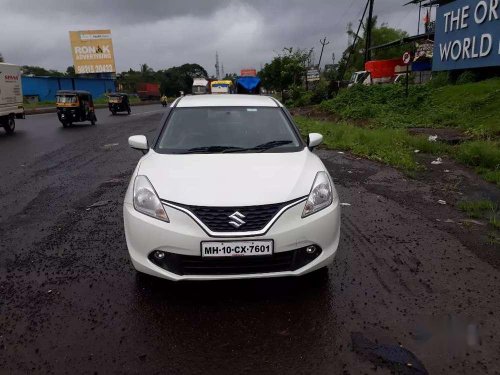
[{"x": 405, "y": 294}]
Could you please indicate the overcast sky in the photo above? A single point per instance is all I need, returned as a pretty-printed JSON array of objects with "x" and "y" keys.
[{"x": 164, "y": 33}]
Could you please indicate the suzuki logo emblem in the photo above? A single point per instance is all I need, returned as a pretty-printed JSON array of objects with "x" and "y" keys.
[{"x": 236, "y": 219}]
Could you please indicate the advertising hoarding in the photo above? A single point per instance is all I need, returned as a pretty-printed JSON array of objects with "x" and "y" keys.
[
  {"x": 467, "y": 35},
  {"x": 92, "y": 51},
  {"x": 248, "y": 72}
]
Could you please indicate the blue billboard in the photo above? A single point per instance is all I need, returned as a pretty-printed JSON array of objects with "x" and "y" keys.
[{"x": 467, "y": 35}]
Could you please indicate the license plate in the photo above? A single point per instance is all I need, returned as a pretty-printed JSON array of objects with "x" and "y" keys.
[{"x": 236, "y": 248}]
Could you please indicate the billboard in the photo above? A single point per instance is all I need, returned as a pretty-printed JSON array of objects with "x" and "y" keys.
[
  {"x": 92, "y": 51},
  {"x": 467, "y": 35},
  {"x": 248, "y": 72}
]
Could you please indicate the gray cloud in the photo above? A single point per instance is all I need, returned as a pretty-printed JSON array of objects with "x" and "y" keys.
[{"x": 247, "y": 33}]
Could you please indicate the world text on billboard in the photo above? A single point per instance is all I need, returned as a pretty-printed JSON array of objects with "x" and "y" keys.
[{"x": 467, "y": 35}]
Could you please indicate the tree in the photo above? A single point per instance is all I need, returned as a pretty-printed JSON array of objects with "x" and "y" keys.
[
  {"x": 1, "y": 58},
  {"x": 39, "y": 71},
  {"x": 380, "y": 35},
  {"x": 70, "y": 71},
  {"x": 180, "y": 78},
  {"x": 285, "y": 70}
]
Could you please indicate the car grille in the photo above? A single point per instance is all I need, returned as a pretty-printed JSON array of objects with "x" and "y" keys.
[
  {"x": 197, "y": 265},
  {"x": 217, "y": 218}
]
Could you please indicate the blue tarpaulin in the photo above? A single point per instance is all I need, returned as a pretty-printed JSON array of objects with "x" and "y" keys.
[{"x": 248, "y": 84}]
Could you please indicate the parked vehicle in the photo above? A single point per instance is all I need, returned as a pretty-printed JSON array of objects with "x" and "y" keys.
[
  {"x": 200, "y": 86},
  {"x": 376, "y": 72},
  {"x": 229, "y": 190},
  {"x": 221, "y": 87},
  {"x": 11, "y": 96},
  {"x": 148, "y": 91},
  {"x": 75, "y": 106},
  {"x": 118, "y": 102},
  {"x": 248, "y": 85}
]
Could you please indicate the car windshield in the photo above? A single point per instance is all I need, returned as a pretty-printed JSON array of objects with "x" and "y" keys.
[
  {"x": 66, "y": 99},
  {"x": 228, "y": 129}
]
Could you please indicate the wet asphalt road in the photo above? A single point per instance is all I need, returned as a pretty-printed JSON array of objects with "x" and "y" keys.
[{"x": 70, "y": 301}]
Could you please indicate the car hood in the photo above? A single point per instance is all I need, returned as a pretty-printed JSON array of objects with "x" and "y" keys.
[{"x": 231, "y": 179}]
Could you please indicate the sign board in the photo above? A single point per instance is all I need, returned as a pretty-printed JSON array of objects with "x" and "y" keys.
[
  {"x": 406, "y": 57},
  {"x": 424, "y": 50},
  {"x": 92, "y": 51},
  {"x": 312, "y": 75},
  {"x": 467, "y": 35},
  {"x": 248, "y": 73}
]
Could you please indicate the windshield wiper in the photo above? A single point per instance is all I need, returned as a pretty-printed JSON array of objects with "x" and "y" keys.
[
  {"x": 262, "y": 147},
  {"x": 210, "y": 149}
]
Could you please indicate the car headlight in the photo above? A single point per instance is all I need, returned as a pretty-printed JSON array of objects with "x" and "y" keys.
[
  {"x": 322, "y": 194},
  {"x": 146, "y": 200}
]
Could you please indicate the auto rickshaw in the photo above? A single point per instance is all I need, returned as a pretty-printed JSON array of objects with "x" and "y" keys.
[
  {"x": 75, "y": 106},
  {"x": 118, "y": 102}
]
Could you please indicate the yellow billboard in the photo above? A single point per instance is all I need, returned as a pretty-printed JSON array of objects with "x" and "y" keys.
[{"x": 92, "y": 51}]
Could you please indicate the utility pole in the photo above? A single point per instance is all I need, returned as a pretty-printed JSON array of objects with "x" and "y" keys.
[
  {"x": 323, "y": 44},
  {"x": 369, "y": 25},
  {"x": 356, "y": 36}
]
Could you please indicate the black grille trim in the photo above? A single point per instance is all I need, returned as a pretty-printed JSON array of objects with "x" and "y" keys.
[
  {"x": 185, "y": 265},
  {"x": 216, "y": 218}
]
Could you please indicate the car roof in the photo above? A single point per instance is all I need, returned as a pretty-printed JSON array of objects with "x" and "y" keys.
[{"x": 227, "y": 100}]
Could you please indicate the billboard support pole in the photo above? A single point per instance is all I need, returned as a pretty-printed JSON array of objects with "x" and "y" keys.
[{"x": 406, "y": 83}]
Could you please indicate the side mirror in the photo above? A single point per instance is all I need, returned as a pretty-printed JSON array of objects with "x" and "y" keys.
[
  {"x": 139, "y": 142},
  {"x": 313, "y": 140}
]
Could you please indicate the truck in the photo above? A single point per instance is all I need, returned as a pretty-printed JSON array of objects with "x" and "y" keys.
[
  {"x": 148, "y": 91},
  {"x": 11, "y": 96},
  {"x": 200, "y": 86},
  {"x": 248, "y": 85},
  {"x": 221, "y": 87},
  {"x": 376, "y": 72}
]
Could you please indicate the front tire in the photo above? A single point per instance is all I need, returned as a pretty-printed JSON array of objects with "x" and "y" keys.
[
  {"x": 10, "y": 125},
  {"x": 93, "y": 120}
]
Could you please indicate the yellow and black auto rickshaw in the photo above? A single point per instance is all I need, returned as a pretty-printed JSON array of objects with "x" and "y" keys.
[
  {"x": 118, "y": 102},
  {"x": 75, "y": 106}
]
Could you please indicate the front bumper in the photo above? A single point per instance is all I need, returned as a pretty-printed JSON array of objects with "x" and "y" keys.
[{"x": 183, "y": 236}]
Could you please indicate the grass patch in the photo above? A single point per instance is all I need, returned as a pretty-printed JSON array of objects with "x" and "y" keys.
[
  {"x": 396, "y": 147},
  {"x": 474, "y": 107},
  {"x": 482, "y": 209},
  {"x": 390, "y": 146},
  {"x": 101, "y": 100}
]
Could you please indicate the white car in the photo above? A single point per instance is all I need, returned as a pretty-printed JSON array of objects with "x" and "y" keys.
[{"x": 229, "y": 190}]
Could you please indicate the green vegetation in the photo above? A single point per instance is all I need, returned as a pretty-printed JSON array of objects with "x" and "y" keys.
[
  {"x": 171, "y": 80},
  {"x": 380, "y": 35},
  {"x": 285, "y": 70},
  {"x": 372, "y": 121},
  {"x": 396, "y": 147},
  {"x": 483, "y": 209},
  {"x": 473, "y": 107},
  {"x": 102, "y": 101}
]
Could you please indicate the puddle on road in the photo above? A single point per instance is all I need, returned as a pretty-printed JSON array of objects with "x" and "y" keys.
[{"x": 396, "y": 357}]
